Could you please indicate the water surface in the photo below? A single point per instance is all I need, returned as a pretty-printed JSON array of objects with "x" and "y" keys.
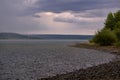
[{"x": 32, "y": 59}]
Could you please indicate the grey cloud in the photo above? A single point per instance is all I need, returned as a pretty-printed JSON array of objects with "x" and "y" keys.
[
  {"x": 58, "y": 19},
  {"x": 11, "y": 7},
  {"x": 95, "y": 12},
  {"x": 69, "y": 20},
  {"x": 100, "y": 14},
  {"x": 23, "y": 25},
  {"x": 11, "y": 10},
  {"x": 36, "y": 16},
  {"x": 76, "y": 5},
  {"x": 12, "y": 21}
]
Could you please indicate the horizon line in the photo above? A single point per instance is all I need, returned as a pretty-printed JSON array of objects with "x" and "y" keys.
[{"x": 44, "y": 33}]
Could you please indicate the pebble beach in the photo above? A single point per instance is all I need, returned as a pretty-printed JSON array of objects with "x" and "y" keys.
[{"x": 33, "y": 60}]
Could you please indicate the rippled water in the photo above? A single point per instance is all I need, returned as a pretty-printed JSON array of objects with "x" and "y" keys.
[{"x": 33, "y": 59}]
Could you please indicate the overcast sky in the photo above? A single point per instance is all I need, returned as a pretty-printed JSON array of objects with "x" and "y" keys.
[{"x": 55, "y": 16}]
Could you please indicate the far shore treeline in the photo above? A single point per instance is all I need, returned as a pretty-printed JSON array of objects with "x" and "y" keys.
[
  {"x": 44, "y": 36},
  {"x": 110, "y": 34}
]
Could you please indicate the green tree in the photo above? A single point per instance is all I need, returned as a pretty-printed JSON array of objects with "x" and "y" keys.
[
  {"x": 117, "y": 25},
  {"x": 117, "y": 19},
  {"x": 117, "y": 16},
  {"x": 111, "y": 32},
  {"x": 110, "y": 22}
]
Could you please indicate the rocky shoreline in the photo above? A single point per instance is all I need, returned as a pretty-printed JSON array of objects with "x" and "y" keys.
[
  {"x": 107, "y": 71},
  {"x": 111, "y": 49}
]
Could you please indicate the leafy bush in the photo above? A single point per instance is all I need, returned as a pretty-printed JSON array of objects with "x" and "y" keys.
[
  {"x": 117, "y": 33},
  {"x": 117, "y": 43},
  {"x": 105, "y": 37}
]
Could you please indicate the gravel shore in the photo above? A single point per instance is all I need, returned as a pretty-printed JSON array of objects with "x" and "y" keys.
[
  {"x": 107, "y": 71},
  {"x": 31, "y": 60}
]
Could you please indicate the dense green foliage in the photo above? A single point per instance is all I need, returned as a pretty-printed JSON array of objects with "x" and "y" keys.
[
  {"x": 117, "y": 33},
  {"x": 113, "y": 21},
  {"x": 110, "y": 21},
  {"x": 105, "y": 37},
  {"x": 110, "y": 34}
]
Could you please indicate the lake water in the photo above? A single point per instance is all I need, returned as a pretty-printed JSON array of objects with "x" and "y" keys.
[{"x": 33, "y": 59}]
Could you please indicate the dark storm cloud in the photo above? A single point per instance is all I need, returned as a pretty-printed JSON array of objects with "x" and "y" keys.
[{"x": 73, "y": 5}]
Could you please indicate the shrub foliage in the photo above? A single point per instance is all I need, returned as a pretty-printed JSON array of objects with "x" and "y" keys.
[
  {"x": 105, "y": 37},
  {"x": 110, "y": 34}
]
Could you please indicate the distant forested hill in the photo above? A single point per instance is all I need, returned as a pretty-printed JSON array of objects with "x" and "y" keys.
[
  {"x": 20, "y": 36},
  {"x": 12, "y": 36}
]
